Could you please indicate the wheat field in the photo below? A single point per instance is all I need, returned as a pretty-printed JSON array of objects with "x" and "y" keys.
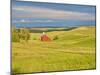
[{"x": 72, "y": 50}]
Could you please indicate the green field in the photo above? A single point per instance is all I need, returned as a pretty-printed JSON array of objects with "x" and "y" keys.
[{"x": 72, "y": 50}]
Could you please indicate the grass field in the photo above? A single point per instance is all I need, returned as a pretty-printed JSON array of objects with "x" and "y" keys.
[{"x": 72, "y": 50}]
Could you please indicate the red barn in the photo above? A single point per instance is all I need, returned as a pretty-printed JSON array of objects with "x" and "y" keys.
[{"x": 44, "y": 37}]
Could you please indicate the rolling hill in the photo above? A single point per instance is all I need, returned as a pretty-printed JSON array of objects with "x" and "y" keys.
[{"x": 72, "y": 50}]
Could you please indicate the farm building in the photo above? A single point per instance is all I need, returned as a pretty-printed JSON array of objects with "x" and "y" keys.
[{"x": 44, "y": 37}]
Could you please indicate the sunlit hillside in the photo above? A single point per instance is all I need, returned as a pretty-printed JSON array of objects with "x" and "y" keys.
[{"x": 71, "y": 50}]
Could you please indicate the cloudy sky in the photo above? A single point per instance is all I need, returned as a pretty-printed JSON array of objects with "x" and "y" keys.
[{"x": 51, "y": 14}]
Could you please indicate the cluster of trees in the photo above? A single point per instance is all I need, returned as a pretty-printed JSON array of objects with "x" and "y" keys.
[
  {"x": 20, "y": 34},
  {"x": 55, "y": 38}
]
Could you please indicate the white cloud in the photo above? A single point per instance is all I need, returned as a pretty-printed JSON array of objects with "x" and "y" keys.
[
  {"x": 37, "y": 12},
  {"x": 27, "y": 21}
]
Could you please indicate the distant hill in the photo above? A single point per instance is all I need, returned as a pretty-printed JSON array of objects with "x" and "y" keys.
[{"x": 40, "y": 30}]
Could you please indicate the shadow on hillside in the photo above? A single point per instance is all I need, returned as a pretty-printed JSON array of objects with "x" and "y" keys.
[{"x": 50, "y": 30}]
